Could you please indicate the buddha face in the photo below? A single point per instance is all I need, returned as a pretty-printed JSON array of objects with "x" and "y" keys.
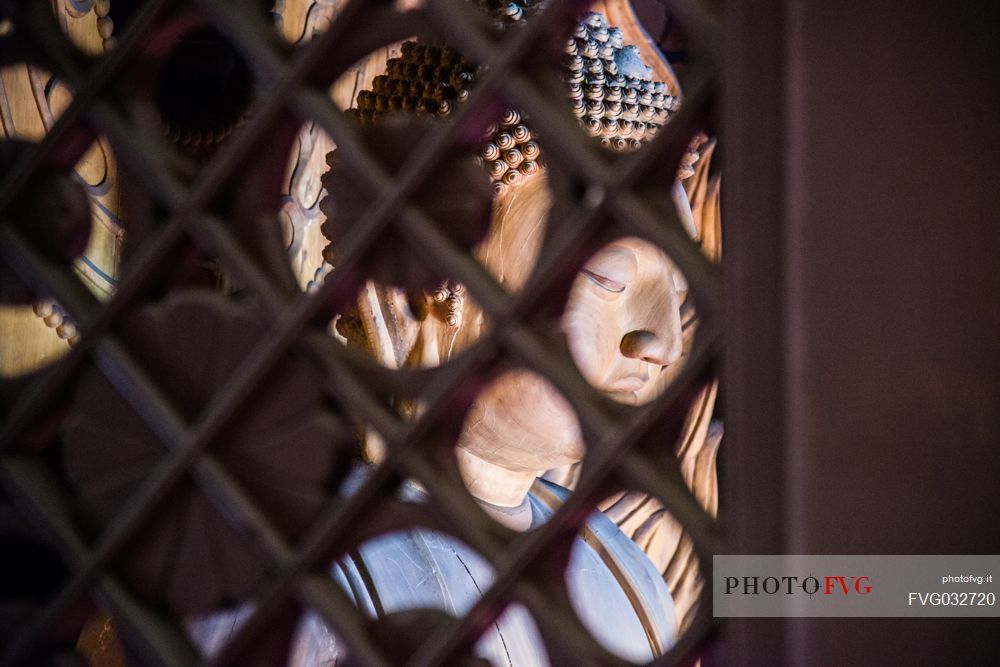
[
  {"x": 623, "y": 326},
  {"x": 622, "y": 322},
  {"x": 622, "y": 319}
]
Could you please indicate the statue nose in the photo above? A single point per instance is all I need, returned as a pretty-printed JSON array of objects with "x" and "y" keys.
[{"x": 648, "y": 346}]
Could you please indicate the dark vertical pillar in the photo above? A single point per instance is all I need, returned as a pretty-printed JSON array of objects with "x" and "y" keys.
[
  {"x": 753, "y": 508},
  {"x": 867, "y": 198}
]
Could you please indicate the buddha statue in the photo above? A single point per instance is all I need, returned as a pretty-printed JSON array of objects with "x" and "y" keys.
[
  {"x": 623, "y": 320},
  {"x": 623, "y": 325}
]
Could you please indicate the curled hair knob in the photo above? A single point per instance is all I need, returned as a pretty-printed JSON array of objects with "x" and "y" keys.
[
  {"x": 528, "y": 167},
  {"x": 513, "y": 157}
]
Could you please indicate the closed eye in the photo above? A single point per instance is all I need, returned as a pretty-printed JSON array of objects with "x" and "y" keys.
[{"x": 604, "y": 282}]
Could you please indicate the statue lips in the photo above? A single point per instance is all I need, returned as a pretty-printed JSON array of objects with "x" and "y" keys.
[
  {"x": 628, "y": 384},
  {"x": 625, "y": 389}
]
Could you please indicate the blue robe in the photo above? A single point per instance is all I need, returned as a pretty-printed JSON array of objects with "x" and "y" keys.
[{"x": 616, "y": 591}]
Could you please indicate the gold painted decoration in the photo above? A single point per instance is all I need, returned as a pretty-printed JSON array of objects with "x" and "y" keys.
[{"x": 31, "y": 100}]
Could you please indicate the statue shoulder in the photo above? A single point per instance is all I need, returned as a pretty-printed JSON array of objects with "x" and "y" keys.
[{"x": 641, "y": 582}]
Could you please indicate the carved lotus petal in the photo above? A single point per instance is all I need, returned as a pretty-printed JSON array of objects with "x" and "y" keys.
[{"x": 280, "y": 449}]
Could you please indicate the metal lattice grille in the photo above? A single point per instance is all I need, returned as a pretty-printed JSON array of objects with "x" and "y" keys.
[{"x": 625, "y": 446}]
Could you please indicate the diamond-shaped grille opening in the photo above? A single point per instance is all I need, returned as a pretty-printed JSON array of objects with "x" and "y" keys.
[{"x": 211, "y": 220}]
